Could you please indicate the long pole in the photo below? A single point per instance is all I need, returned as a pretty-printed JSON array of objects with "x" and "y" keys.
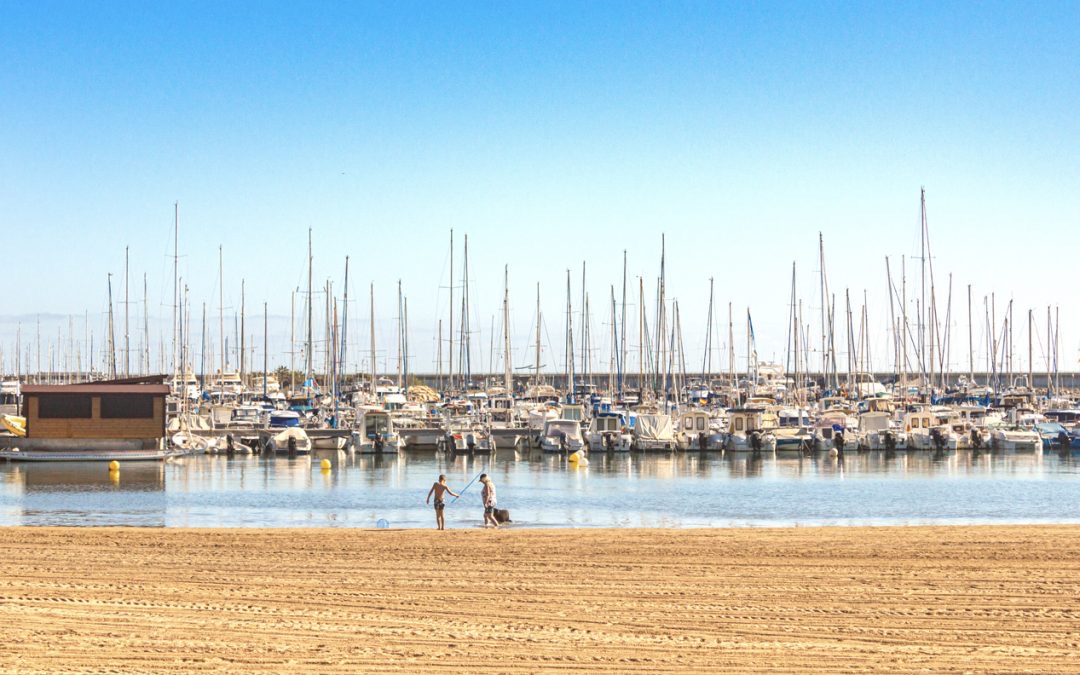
[
  {"x": 309, "y": 370},
  {"x": 539, "y": 319},
  {"x": 221, "y": 320},
  {"x": 508, "y": 375},
  {"x": 176, "y": 283},
  {"x": 971, "y": 344},
  {"x": 111, "y": 342},
  {"x": 127, "y": 342},
  {"x": 266, "y": 352},
  {"x": 450, "y": 370},
  {"x": 622, "y": 322},
  {"x": 372, "y": 332}
]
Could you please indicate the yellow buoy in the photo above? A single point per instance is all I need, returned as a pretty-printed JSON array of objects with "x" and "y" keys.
[
  {"x": 573, "y": 458},
  {"x": 114, "y": 466},
  {"x": 325, "y": 465}
]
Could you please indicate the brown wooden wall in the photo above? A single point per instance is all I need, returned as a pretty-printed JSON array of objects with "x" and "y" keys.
[{"x": 95, "y": 427}]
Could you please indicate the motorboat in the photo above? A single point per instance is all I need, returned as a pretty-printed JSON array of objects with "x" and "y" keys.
[
  {"x": 750, "y": 430},
  {"x": 285, "y": 434},
  {"x": 653, "y": 432},
  {"x": 376, "y": 432},
  {"x": 696, "y": 431},
  {"x": 607, "y": 432},
  {"x": 562, "y": 436}
]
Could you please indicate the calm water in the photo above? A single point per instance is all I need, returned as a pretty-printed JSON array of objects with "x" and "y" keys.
[{"x": 621, "y": 491}]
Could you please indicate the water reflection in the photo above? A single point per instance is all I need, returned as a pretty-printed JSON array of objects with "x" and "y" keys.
[{"x": 620, "y": 490}]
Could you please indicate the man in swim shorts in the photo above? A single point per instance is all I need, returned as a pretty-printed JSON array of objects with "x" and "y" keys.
[
  {"x": 490, "y": 504},
  {"x": 440, "y": 489}
]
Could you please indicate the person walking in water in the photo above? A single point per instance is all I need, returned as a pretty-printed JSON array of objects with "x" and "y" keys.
[
  {"x": 487, "y": 493},
  {"x": 440, "y": 489}
]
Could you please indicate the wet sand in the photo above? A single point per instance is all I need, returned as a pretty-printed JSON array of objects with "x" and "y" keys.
[{"x": 832, "y": 600}]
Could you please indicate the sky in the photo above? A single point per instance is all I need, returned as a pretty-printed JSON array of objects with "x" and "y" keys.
[{"x": 553, "y": 134}]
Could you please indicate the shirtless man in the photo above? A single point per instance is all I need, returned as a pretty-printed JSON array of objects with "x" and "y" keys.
[
  {"x": 490, "y": 504},
  {"x": 440, "y": 490}
]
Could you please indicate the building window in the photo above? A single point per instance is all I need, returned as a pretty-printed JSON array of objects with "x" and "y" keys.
[
  {"x": 738, "y": 424},
  {"x": 64, "y": 406},
  {"x": 126, "y": 406}
]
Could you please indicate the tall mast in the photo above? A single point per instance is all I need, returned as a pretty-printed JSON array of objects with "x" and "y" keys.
[
  {"x": 111, "y": 342},
  {"x": 971, "y": 344},
  {"x": 616, "y": 355},
  {"x": 127, "y": 342},
  {"x": 221, "y": 319},
  {"x": 569, "y": 343},
  {"x": 731, "y": 345},
  {"x": 202, "y": 353},
  {"x": 539, "y": 319},
  {"x": 292, "y": 343},
  {"x": 508, "y": 375},
  {"x": 584, "y": 328},
  {"x": 176, "y": 284},
  {"x": 345, "y": 323},
  {"x": 641, "y": 339},
  {"x": 450, "y": 371},
  {"x": 706, "y": 363},
  {"x": 371, "y": 330},
  {"x": 243, "y": 342},
  {"x": 400, "y": 338},
  {"x": 824, "y": 295},
  {"x": 923, "y": 324},
  {"x": 266, "y": 353},
  {"x": 146, "y": 327},
  {"x": 662, "y": 327},
  {"x": 622, "y": 322},
  {"x": 405, "y": 359},
  {"x": 1031, "y": 328},
  {"x": 466, "y": 336},
  {"x": 309, "y": 369}
]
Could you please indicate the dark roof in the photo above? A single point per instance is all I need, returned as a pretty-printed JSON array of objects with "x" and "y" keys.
[{"x": 95, "y": 388}]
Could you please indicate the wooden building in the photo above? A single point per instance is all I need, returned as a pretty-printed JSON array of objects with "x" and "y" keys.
[{"x": 95, "y": 411}]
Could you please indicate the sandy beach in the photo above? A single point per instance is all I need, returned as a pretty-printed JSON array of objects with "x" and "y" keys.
[{"x": 814, "y": 599}]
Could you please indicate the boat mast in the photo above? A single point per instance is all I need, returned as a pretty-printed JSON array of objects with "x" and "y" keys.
[
  {"x": 405, "y": 364},
  {"x": 706, "y": 363},
  {"x": 508, "y": 375},
  {"x": 176, "y": 285},
  {"x": 344, "y": 362},
  {"x": 569, "y": 343},
  {"x": 622, "y": 322},
  {"x": 371, "y": 331},
  {"x": 584, "y": 328},
  {"x": 539, "y": 319},
  {"x": 466, "y": 328},
  {"x": 662, "y": 347},
  {"x": 146, "y": 328},
  {"x": 923, "y": 308},
  {"x": 731, "y": 346},
  {"x": 971, "y": 344},
  {"x": 111, "y": 344},
  {"x": 221, "y": 320},
  {"x": 641, "y": 339},
  {"x": 450, "y": 371},
  {"x": 400, "y": 338},
  {"x": 309, "y": 364},
  {"x": 292, "y": 343},
  {"x": 127, "y": 343},
  {"x": 266, "y": 357},
  {"x": 243, "y": 341}
]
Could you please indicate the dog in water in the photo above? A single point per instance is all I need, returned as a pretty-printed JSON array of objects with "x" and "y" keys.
[{"x": 502, "y": 516}]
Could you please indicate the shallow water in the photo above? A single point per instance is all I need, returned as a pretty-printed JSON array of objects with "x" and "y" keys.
[{"x": 684, "y": 490}]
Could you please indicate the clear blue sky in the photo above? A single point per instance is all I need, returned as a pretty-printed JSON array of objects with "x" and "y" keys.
[{"x": 552, "y": 133}]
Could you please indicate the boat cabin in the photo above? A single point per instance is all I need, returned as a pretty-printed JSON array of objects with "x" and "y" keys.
[
  {"x": 694, "y": 421},
  {"x": 95, "y": 411}
]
